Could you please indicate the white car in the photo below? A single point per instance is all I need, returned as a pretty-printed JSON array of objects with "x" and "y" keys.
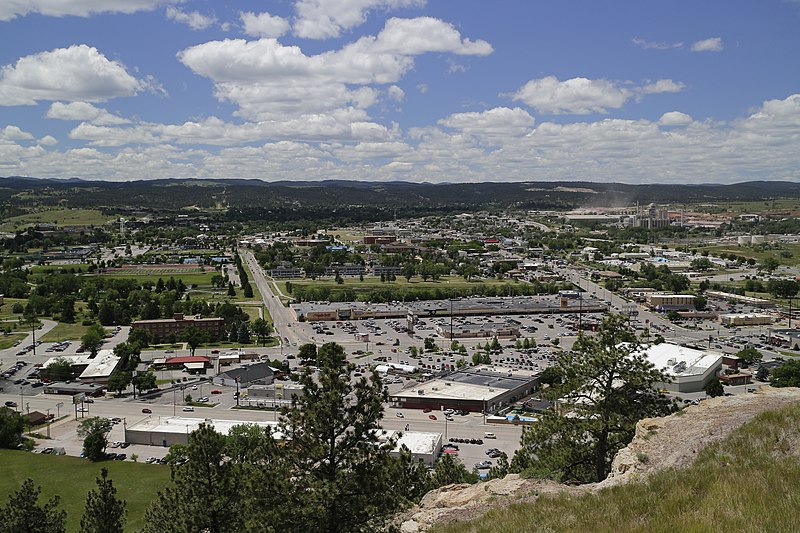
[
  {"x": 188, "y": 409},
  {"x": 399, "y": 415}
]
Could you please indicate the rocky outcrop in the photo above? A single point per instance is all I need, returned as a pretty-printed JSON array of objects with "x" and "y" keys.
[{"x": 660, "y": 443}]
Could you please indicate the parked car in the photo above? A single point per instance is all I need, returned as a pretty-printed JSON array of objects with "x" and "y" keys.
[
  {"x": 216, "y": 392},
  {"x": 188, "y": 409},
  {"x": 146, "y": 411},
  {"x": 11, "y": 404},
  {"x": 432, "y": 417}
]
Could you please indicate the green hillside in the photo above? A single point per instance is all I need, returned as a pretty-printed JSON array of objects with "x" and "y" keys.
[
  {"x": 72, "y": 478},
  {"x": 747, "y": 482}
]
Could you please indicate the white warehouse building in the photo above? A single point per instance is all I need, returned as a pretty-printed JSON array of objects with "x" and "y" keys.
[{"x": 690, "y": 369}]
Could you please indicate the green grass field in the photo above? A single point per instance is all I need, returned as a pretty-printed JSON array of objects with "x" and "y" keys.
[
  {"x": 372, "y": 282},
  {"x": 201, "y": 280},
  {"x": 8, "y": 303},
  {"x": 749, "y": 252},
  {"x": 64, "y": 332},
  {"x": 748, "y": 207},
  {"x": 7, "y": 341},
  {"x": 61, "y": 217},
  {"x": 72, "y": 478},
  {"x": 746, "y": 482}
]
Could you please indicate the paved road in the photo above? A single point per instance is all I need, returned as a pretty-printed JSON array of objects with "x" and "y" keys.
[{"x": 282, "y": 318}]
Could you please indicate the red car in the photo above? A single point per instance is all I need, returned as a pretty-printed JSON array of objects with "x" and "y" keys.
[
  {"x": 432, "y": 417},
  {"x": 426, "y": 410},
  {"x": 146, "y": 411},
  {"x": 216, "y": 392}
]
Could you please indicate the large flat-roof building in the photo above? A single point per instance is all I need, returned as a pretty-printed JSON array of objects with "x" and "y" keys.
[
  {"x": 480, "y": 388},
  {"x": 168, "y": 430},
  {"x": 512, "y": 305},
  {"x": 90, "y": 369},
  {"x": 670, "y": 302},
  {"x": 161, "y": 329},
  {"x": 689, "y": 369}
]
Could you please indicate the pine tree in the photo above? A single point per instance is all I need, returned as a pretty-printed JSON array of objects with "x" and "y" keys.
[
  {"x": 23, "y": 514},
  {"x": 205, "y": 493},
  {"x": 342, "y": 472},
  {"x": 609, "y": 385},
  {"x": 104, "y": 512}
]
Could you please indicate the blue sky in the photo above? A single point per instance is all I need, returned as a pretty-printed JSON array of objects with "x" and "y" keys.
[{"x": 415, "y": 90}]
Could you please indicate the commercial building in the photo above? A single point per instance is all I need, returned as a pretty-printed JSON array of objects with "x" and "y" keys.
[
  {"x": 90, "y": 369},
  {"x": 746, "y": 319},
  {"x": 161, "y": 329},
  {"x": 194, "y": 364},
  {"x": 169, "y": 430},
  {"x": 346, "y": 269},
  {"x": 255, "y": 374},
  {"x": 479, "y": 306},
  {"x": 469, "y": 330},
  {"x": 738, "y": 298},
  {"x": 689, "y": 369},
  {"x": 670, "y": 302},
  {"x": 480, "y": 388},
  {"x": 424, "y": 446},
  {"x": 275, "y": 391},
  {"x": 286, "y": 272}
]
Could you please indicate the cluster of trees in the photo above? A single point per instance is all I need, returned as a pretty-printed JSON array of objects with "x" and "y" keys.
[
  {"x": 247, "y": 289},
  {"x": 332, "y": 472},
  {"x": 103, "y": 511},
  {"x": 309, "y": 293},
  {"x": 659, "y": 278},
  {"x": 12, "y": 425}
]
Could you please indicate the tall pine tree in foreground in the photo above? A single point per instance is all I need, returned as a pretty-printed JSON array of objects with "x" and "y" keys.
[
  {"x": 104, "y": 512},
  {"x": 23, "y": 514}
]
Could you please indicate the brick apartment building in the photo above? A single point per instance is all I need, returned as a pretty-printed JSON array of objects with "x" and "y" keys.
[{"x": 160, "y": 329}]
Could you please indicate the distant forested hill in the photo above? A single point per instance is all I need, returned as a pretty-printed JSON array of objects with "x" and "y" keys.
[{"x": 246, "y": 199}]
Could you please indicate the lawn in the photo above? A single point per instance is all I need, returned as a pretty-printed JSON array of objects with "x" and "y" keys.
[
  {"x": 749, "y": 252},
  {"x": 151, "y": 279},
  {"x": 60, "y": 217},
  {"x": 372, "y": 282},
  {"x": 71, "y": 478},
  {"x": 8, "y": 303},
  {"x": 64, "y": 332},
  {"x": 7, "y": 341}
]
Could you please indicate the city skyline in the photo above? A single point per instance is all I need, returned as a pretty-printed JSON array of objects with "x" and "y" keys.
[{"x": 409, "y": 90}]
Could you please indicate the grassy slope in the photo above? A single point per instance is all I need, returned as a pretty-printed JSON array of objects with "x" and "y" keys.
[
  {"x": 61, "y": 217},
  {"x": 72, "y": 478},
  {"x": 748, "y": 482}
]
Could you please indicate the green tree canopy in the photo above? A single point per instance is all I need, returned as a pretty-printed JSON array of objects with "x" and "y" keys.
[
  {"x": 23, "y": 514},
  {"x": 60, "y": 369},
  {"x": 787, "y": 375},
  {"x": 714, "y": 388},
  {"x": 608, "y": 385},
  {"x": 93, "y": 338},
  {"x": 94, "y": 432},
  {"x": 103, "y": 512}
]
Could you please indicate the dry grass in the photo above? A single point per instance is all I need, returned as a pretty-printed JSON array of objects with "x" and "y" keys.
[{"x": 747, "y": 482}]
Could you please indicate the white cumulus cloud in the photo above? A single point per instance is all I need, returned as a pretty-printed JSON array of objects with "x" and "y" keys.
[
  {"x": 84, "y": 112},
  {"x": 500, "y": 122},
  {"x": 263, "y": 24},
  {"x": 10, "y": 9},
  {"x": 269, "y": 80},
  {"x": 193, "y": 19},
  {"x": 675, "y": 118},
  {"x": 14, "y": 133},
  {"x": 322, "y": 19},
  {"x": 395, "y": 93},
  {"x": 712, "y": 44},
  {"x": 579, "y": 96},
  {"x": 582, "y": 96},
  {"x": 77, "y": 73}
]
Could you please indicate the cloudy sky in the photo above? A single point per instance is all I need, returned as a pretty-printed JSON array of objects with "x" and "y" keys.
[{"x": 678, "y": 91}]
